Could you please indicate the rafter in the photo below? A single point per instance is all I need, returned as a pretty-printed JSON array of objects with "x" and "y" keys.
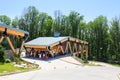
[
  {"x": 10, "y": 44},
  {"x": 1, "y": 39}
]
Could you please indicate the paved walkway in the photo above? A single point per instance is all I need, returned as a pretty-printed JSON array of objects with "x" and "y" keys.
[{"x": 57, "y": 69}]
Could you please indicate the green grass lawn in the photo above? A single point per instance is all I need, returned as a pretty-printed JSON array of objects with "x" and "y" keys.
[{"x": 10, "y": 68}]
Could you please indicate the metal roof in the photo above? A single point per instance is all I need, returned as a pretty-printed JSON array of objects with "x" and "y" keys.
[
  {"x": 14, "y": 28},
  {"x": 45, "y": 41}
]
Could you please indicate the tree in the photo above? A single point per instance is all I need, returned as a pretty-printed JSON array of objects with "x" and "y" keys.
[
  {"x": 29, "y": 21},
  {"x": 2, "y": 54},
  {"x": 43, "y": 19},
  {"x": 99, "y": 38},
  {"x": 115, "y": 39},
  {"x": 15, "y": 22},
  {"x": 49, "y": 26},
  {"x": 74, "y": 19},
  {"x": 5, "y": 19}
]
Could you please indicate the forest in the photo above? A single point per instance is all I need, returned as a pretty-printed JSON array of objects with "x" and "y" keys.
[{"x": 102, "y": 35}]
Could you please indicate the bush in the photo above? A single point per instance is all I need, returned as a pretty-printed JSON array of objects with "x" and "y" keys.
[
  {"x": 8, "y": 61},
  {"x": 2, "y": 54},
  {"x": 83, "y": 57}
]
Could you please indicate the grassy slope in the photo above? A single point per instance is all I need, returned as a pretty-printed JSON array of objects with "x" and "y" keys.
[{"x": 9, "y": 67}]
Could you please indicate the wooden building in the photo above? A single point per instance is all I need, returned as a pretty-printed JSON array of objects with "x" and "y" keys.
[
  {"x": 7, "y": 31},
  {"x": 56, "y": 46}
]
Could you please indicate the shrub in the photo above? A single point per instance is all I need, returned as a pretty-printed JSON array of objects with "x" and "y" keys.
[
  {"x": 2, "y": 54},
  {"x": 83, "y": 57},
  {"x": 8, "y": 61}
]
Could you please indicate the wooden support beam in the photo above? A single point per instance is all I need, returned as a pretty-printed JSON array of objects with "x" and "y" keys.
[
  {"x": 23, "y": 41},
  {"x": 10, "y": 44},
  {"x": 15, "y": 32},
  {"x": 75, "y": 47},
  {"x": 64, "y": 40},
  {"x": 72, "y": 39},
  {"x": 77, "y": 40},
  {"x": 86, "y": 51},
  {"x": 79, "y": 48},
  {"x": 2, "y": 29},
  {"x": 62, "y": 49},
  {"x": 25, "y": 49},
  {"x": 1, "y": 39},
  {"x": 56, "y": 51},
  {"x": 66, "y": 48},
  {"x": 35, "y": 46},
  {"x": 54, "y": 44},
  {"x": 69, "y": 46}
]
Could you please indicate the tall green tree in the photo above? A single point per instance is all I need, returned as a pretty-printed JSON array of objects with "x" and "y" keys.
[
  {"x": 5, "y": 19},
  {"x": 75, "y": 18},
  {"x": 43, "y": 18},
  {"x": 15, "y": 22},
  {"x": 29, "y": 21},
  {"x": 99, "y": 38},
  {"x": 115, "y": 39},
  {"x": 49, "y": 26}
]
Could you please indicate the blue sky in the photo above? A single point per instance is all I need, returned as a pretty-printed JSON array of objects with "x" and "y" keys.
[{"x": 89, "y": 8}]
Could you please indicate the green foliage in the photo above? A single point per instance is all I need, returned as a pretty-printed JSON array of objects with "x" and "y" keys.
[
  {"x": 74, "y": 20},
  {"x": 7, "y": 68},
  {"x": 83, "y": 57},
  {"x": 2, "y": 54},
  {"x": 5, "y": 19},
  {"x": 7, "y": 61},
  {"x": 103, "y": 37},
  {"x": 15, "y": 22},
  {"x": 98, "y": 39}
]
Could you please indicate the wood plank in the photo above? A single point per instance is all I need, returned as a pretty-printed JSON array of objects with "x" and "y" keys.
[
  {"x": 56, "y": 50},
  {"x": 77, "y": 40},
  {"x": 2, "y": 29},
  {"x": 66, "y": 39},
  {"x": 34, "y": 46},
  {"x": 80, "y": 48},
  {"x": 41, "y": 49},
  {"x": 69, "y": 46},
  {"x": 23, "y": 41},
  {"x": 10, "y": 44},
  {"x": 1, "y": 39},
  {"x": 72, "y": 39},
  {"x": 62, "y": 49},
  {"x": 86, "y": 51},
  {"x": 14, "y": 32},
  {"x": 54, "y": 44},
  {"x": 66, "y": 47},
  {"x": 75, "y": 45}
]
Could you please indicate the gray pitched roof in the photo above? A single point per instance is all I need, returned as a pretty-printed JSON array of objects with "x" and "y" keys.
[{"x": 45, "y": 41}]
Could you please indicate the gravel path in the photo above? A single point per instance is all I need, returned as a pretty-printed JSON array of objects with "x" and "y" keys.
[{"x": 57, "y": 69}]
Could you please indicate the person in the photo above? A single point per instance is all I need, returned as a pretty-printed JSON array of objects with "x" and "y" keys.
[
  {"x": 34, "y": 53},
  {"x": 46, "y": 55},
  {"x": 39, "y": 54},
  {"x": 43, "y": 54}
]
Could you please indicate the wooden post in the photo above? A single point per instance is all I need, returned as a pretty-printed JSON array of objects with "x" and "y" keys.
[
  {"x": 56, "y": 52},
  {"x": 86, "y": 51},
  {"x": 75, "y": 48},
  {"x": 80, "y": 48},
  {"x": 10, "y": 44},
  {"x": 1, "y": 39},
  {"x": 23, "y": 41},
  {"x": 66, "y": 47},
  {"x": 62, "y": 49},
  {"x": 70, "y": 47}
]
